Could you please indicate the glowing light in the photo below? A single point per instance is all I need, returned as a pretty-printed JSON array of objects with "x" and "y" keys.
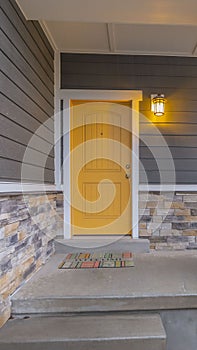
[{"x": 158, "y": 105}]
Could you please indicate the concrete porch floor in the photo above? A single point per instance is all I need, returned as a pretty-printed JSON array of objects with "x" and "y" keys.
[{"x": 159, "y": 281}]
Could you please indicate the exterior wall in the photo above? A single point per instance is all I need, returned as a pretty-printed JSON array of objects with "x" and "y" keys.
[
  {"x": 176, "y": 77},
  {"x": 26, "y": 99},
  {"x": 168, "y": 220},
  {"x": 28, "y": 224}
]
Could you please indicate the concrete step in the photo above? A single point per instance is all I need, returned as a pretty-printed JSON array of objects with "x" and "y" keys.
[
  {"x": 142, "y": 288},
  {"x": 102, "y": 243},
  {"x": 136, "y": 332}
]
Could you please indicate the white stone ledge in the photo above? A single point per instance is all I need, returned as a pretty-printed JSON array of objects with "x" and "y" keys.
[
  {"x": 168, "y": 188},
  {"x": 13, "y": 188}
]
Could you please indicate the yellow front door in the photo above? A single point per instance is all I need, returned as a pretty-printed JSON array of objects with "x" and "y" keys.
[{"x": 100, "y": 167}]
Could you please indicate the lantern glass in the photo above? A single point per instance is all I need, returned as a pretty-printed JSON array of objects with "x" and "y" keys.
[{"x": 158, "y": 105}]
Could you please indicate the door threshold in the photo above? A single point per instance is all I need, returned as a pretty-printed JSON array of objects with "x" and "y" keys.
[
  {"x": 111, "y": 236},
  {"x": 112, "y": 243}
]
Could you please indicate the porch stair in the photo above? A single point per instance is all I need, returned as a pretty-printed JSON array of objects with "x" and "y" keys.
[
  {"x": 104, "y": 332},
  {"x": 107, "y": 309},
  {"x": 157, "y": 282}
]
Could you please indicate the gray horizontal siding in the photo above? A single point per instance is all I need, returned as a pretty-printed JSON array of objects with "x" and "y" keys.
[
  {"x": 23, "y": 66},
  {"x": 43, "y": 36},
  {"x": 174, "y": 117},
  {"x": 38, "y": 36},
  {"x": 26, "y": 99},
  {"x": 180, "y": 152},
  {"x": 186, "y": 141},
  {"x": 25, "y": 85},
  {"x": 25, "y": 172},
  {"x": 176, "y": 77},
  {"x": 20, "y": 134},
  {"x": 16, "y": 95},
  {"x": 10, "y": 148},
  {"x": 128, "y": 69},
  {"x": 24, "y": 49},
  {"x": 20, "y": 114},
  {"x": 183, "y": 177},
  {"x": 168, "y": 129},
  {"x": 121, "y": 59},
  {"x": 30, "y": 37},
  {"x": 182, "y": 164},
  {"x": 126, "y": 82}
]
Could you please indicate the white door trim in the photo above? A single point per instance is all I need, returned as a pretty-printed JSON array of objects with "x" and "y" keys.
[{"x": 109, "y": 95}]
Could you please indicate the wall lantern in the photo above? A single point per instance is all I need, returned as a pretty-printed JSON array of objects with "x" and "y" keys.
[{"x": 158, "y": 104}]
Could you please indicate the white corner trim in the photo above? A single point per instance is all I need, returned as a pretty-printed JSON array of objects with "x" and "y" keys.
[
  {"x": 168, "y": 188},
  {"x": 57, "y": 121},
  {"x": 135, "y": 169},
  {"x": 18, "y": 187},
  {"x": 48, "y": 35}
]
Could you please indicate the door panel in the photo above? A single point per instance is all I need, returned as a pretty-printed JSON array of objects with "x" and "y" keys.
[{"x": 100, "y": 150}]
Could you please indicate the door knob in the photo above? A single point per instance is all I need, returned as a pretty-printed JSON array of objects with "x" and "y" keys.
[{"x": 127, "y": 176}]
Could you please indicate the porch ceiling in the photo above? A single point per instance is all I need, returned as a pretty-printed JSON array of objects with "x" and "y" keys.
[{"x": 162, "y": 27}]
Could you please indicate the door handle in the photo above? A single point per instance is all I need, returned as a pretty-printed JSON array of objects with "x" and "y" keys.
[{"x": 127, "y": 176}]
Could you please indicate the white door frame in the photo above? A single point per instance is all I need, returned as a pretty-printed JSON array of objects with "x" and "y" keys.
[{"x": 109, "y": 95}]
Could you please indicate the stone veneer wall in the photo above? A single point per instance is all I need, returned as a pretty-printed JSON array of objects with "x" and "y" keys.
[
  {"x": 168, "y": 220},
  {"x": 28, "y": 224}
]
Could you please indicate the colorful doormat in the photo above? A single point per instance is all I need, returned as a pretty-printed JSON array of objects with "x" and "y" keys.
[{"x": 97, "y": 260}]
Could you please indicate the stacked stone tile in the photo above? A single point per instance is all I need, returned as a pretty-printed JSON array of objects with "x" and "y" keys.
[
  {"x": 169, "y": 220},
  {"x": 28, "y": 225}
]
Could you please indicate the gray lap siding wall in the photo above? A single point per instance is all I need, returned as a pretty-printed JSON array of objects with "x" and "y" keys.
[
  {"x": 29, "y": 222},
  {"x": 176, "y": 77},
  {"x": 26, "y": 98}
]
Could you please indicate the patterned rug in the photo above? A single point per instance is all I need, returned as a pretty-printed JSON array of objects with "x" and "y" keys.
[{"x": 97, "y": 260}]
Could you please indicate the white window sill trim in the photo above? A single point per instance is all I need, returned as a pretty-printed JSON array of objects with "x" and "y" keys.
[
  {"x": 168, "y": 188},
  {"x": 17, "y": 187}
]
